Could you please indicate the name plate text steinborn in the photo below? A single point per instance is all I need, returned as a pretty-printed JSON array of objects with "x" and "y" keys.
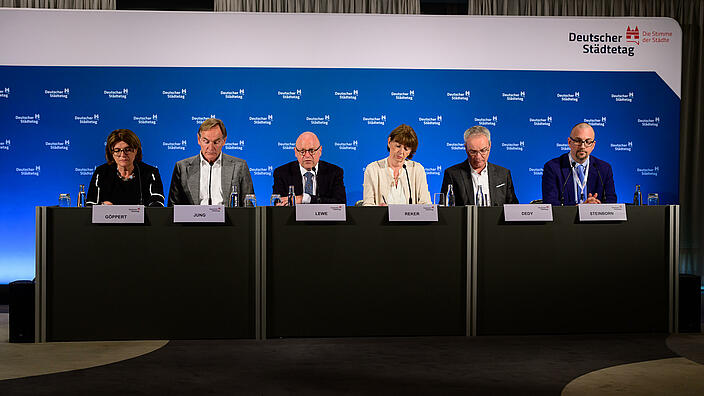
[
  {"x": 118, "y": 214},
  {"x": 527, "y": 212},
  {"x": 413, "y": 213},
  {"x": 199, "y": 214},
  {"x": 602, "y": 212},
  {"x": 321, "y": 212}
]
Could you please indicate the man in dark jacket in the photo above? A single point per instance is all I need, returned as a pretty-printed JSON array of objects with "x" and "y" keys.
[{"x": 313, "y": 180}]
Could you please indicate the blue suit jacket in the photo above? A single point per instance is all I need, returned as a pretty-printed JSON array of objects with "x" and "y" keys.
[{"x": 557, "y": 171}]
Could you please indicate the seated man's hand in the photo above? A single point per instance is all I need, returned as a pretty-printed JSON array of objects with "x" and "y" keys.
[
  {"x": 284, "y": 200},
  {"x": 591, "y": 199}
]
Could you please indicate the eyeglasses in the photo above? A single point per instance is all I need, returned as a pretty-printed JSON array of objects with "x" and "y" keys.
[
  {"x": 126, "y": 150},
  {"x": 579, "y": 142},
  {"x": 483, "y": 152},
  {"x": 303, "y": 152}
]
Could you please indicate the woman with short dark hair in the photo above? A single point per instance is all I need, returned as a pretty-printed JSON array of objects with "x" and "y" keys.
[{"x": 124, "y": 179}]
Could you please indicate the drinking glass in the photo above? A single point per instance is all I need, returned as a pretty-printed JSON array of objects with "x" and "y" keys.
[
  {"x": 64, "y": 200},
  {"x": 250, "y": 201},
  {"x": 439, "y": 199}
]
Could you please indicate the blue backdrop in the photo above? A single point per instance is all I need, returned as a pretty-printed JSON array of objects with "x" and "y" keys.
[{"x": 55, "y": 121}]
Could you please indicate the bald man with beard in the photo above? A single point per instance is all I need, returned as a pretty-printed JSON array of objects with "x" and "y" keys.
[
  {"x": 314, "y": 181},
  {"x": 578, "y": 177}
]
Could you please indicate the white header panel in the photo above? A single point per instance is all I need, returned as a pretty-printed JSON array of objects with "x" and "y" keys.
[{"x": 140, "y": 38}]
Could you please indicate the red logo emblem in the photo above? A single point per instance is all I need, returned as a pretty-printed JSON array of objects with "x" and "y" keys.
[{"x": 632, "y": 35}]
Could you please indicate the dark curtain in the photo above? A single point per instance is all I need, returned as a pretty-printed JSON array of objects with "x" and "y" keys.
[
  {"x": 322, "y": 6},
  {"x": 690, "y": 15}
]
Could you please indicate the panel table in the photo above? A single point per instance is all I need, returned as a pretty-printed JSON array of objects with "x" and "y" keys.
[
  {"x": 366, "y": 276},
  {"x": 574, "y": 277},
  {"x": 157, "y": 280}
]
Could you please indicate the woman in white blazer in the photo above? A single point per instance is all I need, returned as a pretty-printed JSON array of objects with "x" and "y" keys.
[{"x": 387, "y": 181}]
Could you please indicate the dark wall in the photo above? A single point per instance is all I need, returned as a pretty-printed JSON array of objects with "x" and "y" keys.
[{"x": 173, "y": 5}]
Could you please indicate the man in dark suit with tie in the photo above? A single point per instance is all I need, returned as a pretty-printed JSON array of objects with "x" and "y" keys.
[
  {"x": 478, "y": 180},
  {"x": 577, "y": 176},
  {"x": 313, "y": 180}
]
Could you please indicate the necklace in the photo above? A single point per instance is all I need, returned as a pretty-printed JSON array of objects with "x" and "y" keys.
[{"x": 130, "y": 177}]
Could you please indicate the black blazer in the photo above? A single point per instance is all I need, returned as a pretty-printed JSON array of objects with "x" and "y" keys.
[
  {"x": 330, "y": 189},
  {"x": 500, "y": 184},
  {"x": 103, "y": 185}
]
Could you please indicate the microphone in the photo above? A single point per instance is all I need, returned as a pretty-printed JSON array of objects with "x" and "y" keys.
[
  {"x": 410, "y": 192},
  {"x": 603, "y": 187},
  {"x": 315, "y": 176},
  {"x": 562, "y": 192},
  {"x": 210, "y": 181},
  {"x": 139, "y": 181}
]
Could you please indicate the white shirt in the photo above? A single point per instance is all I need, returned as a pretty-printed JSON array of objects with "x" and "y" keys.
[
  {"x": 575, "y": 177},
  {"x": 397, "y": 195},
  {"x": 306, "y": 197},
  {"x": 481, "y": 179},
  {"x": 211, "y": 176}
]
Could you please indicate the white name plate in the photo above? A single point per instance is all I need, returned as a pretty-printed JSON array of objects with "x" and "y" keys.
[
  {"x": 602, "y": 212},
  {"x": 321, "y": 212},
  {"x": 199, "y": 214},
  {"x": 118, "y": 214},
  {"x": 527, "y": 212},
  {"x": 413, "y": 213}
]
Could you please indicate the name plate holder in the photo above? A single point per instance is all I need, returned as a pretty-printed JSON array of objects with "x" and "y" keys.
[
  {"x": 199, "y": 214},
  {"x": 405, "y": 212},
  {"x": 321, "y": 212},
  {"x": 528, "y": 212},
  {"x": 118, "y": 214},
  {"x": 602, "y": 212}
]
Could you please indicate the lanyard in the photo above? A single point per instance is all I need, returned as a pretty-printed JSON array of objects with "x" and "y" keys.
[{"x": 581, "y": 187}]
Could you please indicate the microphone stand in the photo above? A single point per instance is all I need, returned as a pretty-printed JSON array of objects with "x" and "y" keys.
[
  {"x": 315, "y": 176},
  {"x": 603, "y": 186},
  {"x": 139, "y": 182},
  {"x": 410, "y": 192},
  {"x": 210, "y": 182},
  {"x": 562, "y": 192}
]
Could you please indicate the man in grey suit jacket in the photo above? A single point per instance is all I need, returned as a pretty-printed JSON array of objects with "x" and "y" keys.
[
  {"x": 208, "y": 178},
  {"x": 477, "y": 180}
]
